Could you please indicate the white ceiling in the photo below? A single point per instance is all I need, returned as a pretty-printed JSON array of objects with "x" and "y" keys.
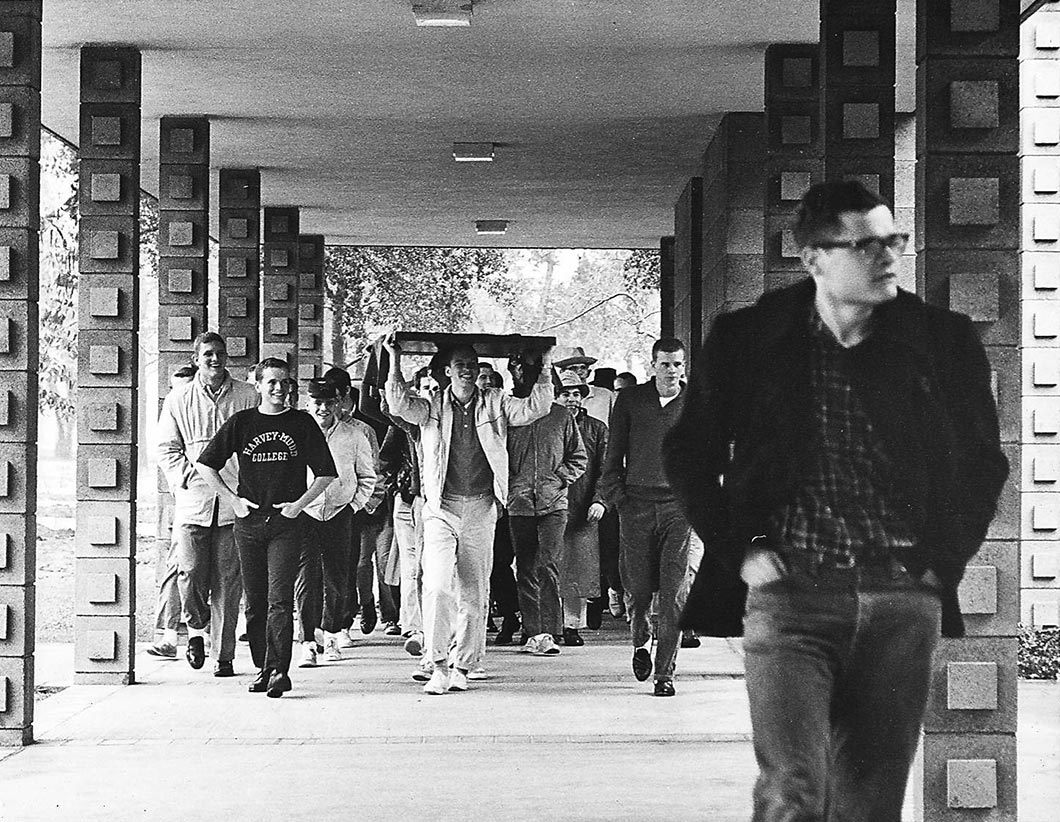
[{"x": 602, "y": 108}]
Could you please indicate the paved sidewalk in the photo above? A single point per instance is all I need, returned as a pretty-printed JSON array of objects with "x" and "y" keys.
[{"x": 573, "y": 737}]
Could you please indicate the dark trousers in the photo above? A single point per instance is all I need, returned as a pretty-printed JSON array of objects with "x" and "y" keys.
[
  {"x": 838, "y": 667},
  {"x": 502, "y": 578},
  {"x": 320, "y": 589},
  {"x": 610, "y": 575},
  {"x": 269, "y": 549},
  {"x": 538, "y": 544},
  {"x": 654, "y": 553},
  {"x": 368, "y": 529}
]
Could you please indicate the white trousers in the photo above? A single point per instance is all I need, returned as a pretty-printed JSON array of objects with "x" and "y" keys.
[
  {"x": 408, "y": 532},
  {"x": 457, "y": 561}
]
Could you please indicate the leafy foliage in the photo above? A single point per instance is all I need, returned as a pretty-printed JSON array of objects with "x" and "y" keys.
[
  {"x": 641, "y": 270},
  {"x": 1039, "y": 653}
]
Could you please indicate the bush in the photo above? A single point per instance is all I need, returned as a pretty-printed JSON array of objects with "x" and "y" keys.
[{"x": 1039, "y": 653}]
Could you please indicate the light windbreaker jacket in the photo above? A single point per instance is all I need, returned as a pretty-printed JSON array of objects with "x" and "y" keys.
[
  {"x": 189, "y": 419},
  {"x": 354, "y": 457},
  {"x": 495, "y": 411}
]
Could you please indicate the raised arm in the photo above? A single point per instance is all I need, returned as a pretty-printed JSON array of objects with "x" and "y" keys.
[
  {"x": 400, "y": 401},
  {"x": 524, "y": 410}
]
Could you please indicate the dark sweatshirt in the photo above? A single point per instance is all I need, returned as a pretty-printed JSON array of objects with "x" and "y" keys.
[{"x": 633, "y": 464}]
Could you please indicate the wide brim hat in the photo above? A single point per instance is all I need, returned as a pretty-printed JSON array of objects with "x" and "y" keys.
[
  {"x": 568, "y": 380},
  {"x": 566, "y": 357}
]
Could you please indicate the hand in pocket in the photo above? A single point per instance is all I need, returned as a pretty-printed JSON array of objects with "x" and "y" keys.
[{"x": 761, "y": 566}]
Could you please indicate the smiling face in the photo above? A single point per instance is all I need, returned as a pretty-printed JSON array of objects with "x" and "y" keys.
[
  {"x": 427, "y": 387},
  {"x": 210, "y": 360},
  {"x": 570, "y": 398},
  {"x": 848, "y": 277},
  {"x": 463, "y": 370},
  {"x": 323, "y": 411},
  {"x": 272, "y": 389}
]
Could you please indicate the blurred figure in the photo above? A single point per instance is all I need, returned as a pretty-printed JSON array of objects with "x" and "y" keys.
[{"x": 624, "y": 380}]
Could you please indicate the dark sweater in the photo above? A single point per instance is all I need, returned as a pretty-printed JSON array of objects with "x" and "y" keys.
[{"x": 634, "y": 460}]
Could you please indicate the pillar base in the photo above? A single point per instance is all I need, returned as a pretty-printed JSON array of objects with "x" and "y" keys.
[
  {"x": 16, "y": 737},
  {"x": 105, "y": 678}
]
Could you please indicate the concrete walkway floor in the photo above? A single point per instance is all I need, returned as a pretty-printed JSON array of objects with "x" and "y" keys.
[{"x": 572, "y": 737}]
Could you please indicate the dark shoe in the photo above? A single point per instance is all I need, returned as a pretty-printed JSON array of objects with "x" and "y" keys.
[
  {"x": 594, "y": 613},
  {"x": 392, "y": 629},
  {"x": 242, "y": 637},
  {"x": 641, "y": 664},
  {"x": 689, "y": 640},
  {"x": 223, "y": 668},
  {"x": 261, "y": 682},
  {"x": 664, "y": 687},
  {"x": 163, "y": 650},
  {"x": 279, "y": 684},
  {"x": 503, "y": 638},
  {"x": 196, "y": 652},
  {"x": 571, "y": 638},
  {"x": 369, "y": 619}
]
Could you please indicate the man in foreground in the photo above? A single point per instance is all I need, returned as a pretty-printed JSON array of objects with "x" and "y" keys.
[{"x": 839, "y": 451}]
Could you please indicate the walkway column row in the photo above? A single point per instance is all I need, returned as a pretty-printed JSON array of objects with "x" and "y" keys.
[
  {"x": 239, "y": 266},
  {"x": 20, "y": 73}
]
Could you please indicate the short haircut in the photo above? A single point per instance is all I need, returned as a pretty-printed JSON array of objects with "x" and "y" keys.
[
  {"x": 668, "y": 344},
  {"x": 496, "y": 380},
  {"x": 817, "y": 218},
  {"x": 462, "y": 348},
  {"x": 340, "y": 378},
  {"x": 270, "y": 362},
  {"x": 628, "y": 377},
  {"x": 207, "y": 337},
  {"x": 420, "y": 375},
  {"x": 185, "y": 372},
  {"x": 482, "y": 365}
]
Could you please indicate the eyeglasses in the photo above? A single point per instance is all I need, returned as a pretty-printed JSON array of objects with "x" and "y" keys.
[{"x": 869, "y": 246}]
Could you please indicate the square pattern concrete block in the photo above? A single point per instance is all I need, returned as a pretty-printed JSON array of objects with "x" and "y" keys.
[
  {"x": 7, "y": 255},
  {"x": 180, "y": 281},
  {"x": 181, "y": 234},
  {"x": 1044, "y": 516},
  {"x": 1046, "y": 36},
  {"x": 104, "y": 301},
  {"x": 797, "y": 72},
  {"x": 101, "y": 588},
  {"x": 974, "y": 104},
  {"x": 974, "y": 200},
  {"x": 1046, "y": 178},
  {"x": 1044, "y": 368},
  {"x": 103, "y": 529},
  {"x": 107, "y": 74},
  {"x": 104, "y": 245},
  {"x": 180, "y": 329},
  {"x": 793, "y": 184},
  {"x": 308, "y": 371},
  {"x": 279, "y": 326},
  {"x": 237, "y": 228},
  {"x": 1044, "y": 470},
  {"x": 974, "y": 15},
  {"x": 861, "y": 49},
  {"x": 279, "y": 292},
  {"x": 976, "y": 295},
  {"x": 103, "y": 473},
  {"x": 971, "y": 686},
  {"x": 182, "y": 140},
  {"x": 1045, "y": 565},
  {"x": 16, "y": 681},
  {"x": 237, "y": 346},
  {"x": 236, "y": 307},
  {"x": 971, "y": 783},
  {"x": 104, "y": 360},
  {"x": 106, "y": 188},
  {"x": 308, "y": 281},
  {"x": 279, "y": 257},
  {"x": 1046, "y": 227},
  {"x": 861, "y": 121},
  {"x": 181, "y": 186},
  {"x": 308, "y": 341},
  {"x": 1045, "y": 422},
  {"x": 101, "y": 645},
  {"x": 1046, "y": 81},
  {"x": 7, "y": 120},
  {"x": 978, "y": 590},
  {"x": 236, "y": 268},
  {"x": 1046, "y": 129},
  {"x": 106, "y": 131},
  {"x": 1045, "y": 614},
  {"x": 796, "y": 130},
  {"x": 7, "y": 49},
  {"x": 103, "y": 416},
  {"x": 278, "y": 223}
]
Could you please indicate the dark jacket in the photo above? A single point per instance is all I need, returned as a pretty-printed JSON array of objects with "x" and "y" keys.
[
  {"x": 634, "y": 458},
  {"x": 544, "y": 458},
  {"x": 585, "y": 490},
  {"x": 399, "y": 462},
  {"x": 924, "y": 381}
]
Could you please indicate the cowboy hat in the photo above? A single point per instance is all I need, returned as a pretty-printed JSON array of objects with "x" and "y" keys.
[{"x": 572, "y": 356}]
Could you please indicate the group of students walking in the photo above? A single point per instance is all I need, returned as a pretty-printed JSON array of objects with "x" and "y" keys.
[{"x": 460, "y": 477}]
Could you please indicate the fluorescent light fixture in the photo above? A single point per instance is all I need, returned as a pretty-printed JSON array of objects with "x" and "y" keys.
[
  {"x": 442, "y": 13},
  {"x": 491, "y": 226},
  {"x": 473, "y": 152}
]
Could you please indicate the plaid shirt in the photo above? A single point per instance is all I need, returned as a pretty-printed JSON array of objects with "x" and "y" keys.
[{"x": 843, "y": 513}]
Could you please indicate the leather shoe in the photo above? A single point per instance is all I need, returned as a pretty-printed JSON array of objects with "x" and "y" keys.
[
  {"x": 261, "y": 682},
  {"x": 369, "y": 618},
  {"x": 196, "y": 652},
  {"x": 664, "y": 687},
  {"x": 571, "y": 638},
  {"x": 279, "y": 684},
  {"x": 689, "y": 640},
  {"x": 594, "y": 613},
  {"x": 641, "y": 664},
  {"x": 223, "y": 668}
]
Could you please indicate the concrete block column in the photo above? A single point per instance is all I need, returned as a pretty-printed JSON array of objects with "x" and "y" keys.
[
  {"x": 20, "y": 73},
  {"x": 310, "y": 306},
  {"x": 688, "y": 266},
  {"x": 183, "y": 241},
  {"x": 108, "y": 296},
  {"x": 279, "y": 286},
  {"x": 1040, "y": 336},
  {"x": 794, "y": 151},
  {"x": 733, "y": 214},
  {"x": 968, "y": 236},
  {"x": 857, "y": 91},
  {"x": 666, "y": 287},
  {"x": 239, "y": 266}
]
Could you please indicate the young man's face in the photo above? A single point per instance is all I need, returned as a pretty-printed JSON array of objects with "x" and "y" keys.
[
  {"x": 463, "y": 369},
  {"x": 581, "y": 369},
  {"x": 852, "y": 277},
  {"x": 211, "y": 359},
  {"x": 570, "y": 398},
  {"x": 668, "y": 367},
  {"x": 272, "y": 387},
  {"x": 323, "y": 410},
  {"x": 427, "y": 387}
]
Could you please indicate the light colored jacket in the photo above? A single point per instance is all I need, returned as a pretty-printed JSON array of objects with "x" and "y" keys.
[
  {"x": 495, "y": 411},
  {"x": 599, "y": 403},
  {"x": 189, "y": 419},
  {"x": 351, "y": 448}
]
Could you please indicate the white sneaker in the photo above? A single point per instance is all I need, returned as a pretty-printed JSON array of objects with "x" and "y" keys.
[
  {"x": 320, "y": 636},
  {"x": 615, "y": 604},
  {"x": 414, "y": 644},
  {"x": 309, "y": 655},
  {"x": 344, "y": 639},
  {"x": 331, "y": 649},
  {"x": 423, "y": 670},
  {"x": 530, "y": 647},
  {"x": 544, "y": 645},
  {"x": 457, "y": 680},
  {"x": 477, "y": 674},
  {"x": 439, "y": 682}
]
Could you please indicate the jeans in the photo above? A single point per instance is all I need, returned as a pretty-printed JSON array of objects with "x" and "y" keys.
[
  {"x": 408, "y": 531},
  {"x": 610, "y": 575},
  {"x": 320, "y": 588},
  {"x": 538, "y": 544},
  {"x": 168, "y": 612},
  {"x": 368, "y": 531},
  {"x": 838, "y": 667},
  {"x": 269, "y": 551},
  {"x": 457, "y": 540},
  {"x": 654, "y": 538},
  {"x": 208, "y": 581}
]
